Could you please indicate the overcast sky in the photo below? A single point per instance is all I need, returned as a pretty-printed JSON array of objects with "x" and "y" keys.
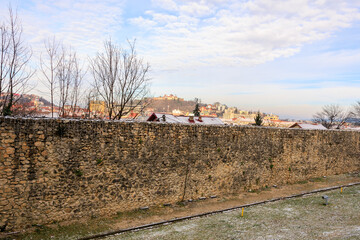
[{"x": 284, "y": 57}]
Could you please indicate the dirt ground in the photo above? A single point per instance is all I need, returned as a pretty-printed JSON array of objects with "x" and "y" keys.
[{"x": 120, "y": 220}]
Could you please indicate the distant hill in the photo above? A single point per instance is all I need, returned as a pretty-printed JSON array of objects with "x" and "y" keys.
[
  {"x": 27, "y": 98},
  {"x": 169, "y": 105}
]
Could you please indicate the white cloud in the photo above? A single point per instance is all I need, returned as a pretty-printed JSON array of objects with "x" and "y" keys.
[
  {"x": 198, "y": 33},
  {"x": 82, "y": 24},
  {"x": 166, "y": 4},
  {"x": 143, "y": 22},
  {"x": 196, "y": 9}
]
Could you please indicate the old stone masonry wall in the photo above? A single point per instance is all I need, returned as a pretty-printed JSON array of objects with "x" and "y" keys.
[{"x": 55, "y": 170}]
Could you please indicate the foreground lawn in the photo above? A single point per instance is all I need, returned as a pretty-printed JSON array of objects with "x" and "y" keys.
[{"x": 299, "y": 218}]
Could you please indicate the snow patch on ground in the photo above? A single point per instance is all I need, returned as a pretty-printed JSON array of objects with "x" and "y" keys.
[
  {"x": 346, "y": 231},
  {"x": 185, "y": 227}
]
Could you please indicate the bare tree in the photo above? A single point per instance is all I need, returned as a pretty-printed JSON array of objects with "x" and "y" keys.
[
  {"x": 121, "y": 79},
  {"x": 14, "y": 63},
  {"x": 332, "y": 116},
  {"x": 49, "y": 66},
  {"x": 88, "y": 97},
  {"x": 63, "y": 75},
  {"x": 77, "y": 78},
  {"x": 105, "y": 70},
  {"x": 4, "y": 63},
  {"x": 69, "y": 76},
  {"x": 356, "y": 109}
]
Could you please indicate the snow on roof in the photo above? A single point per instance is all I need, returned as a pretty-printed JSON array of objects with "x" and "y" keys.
[
  {"x": 204, "y": 120},
  {"x": 309, "y": 126},
  {"x": 212, "y": 120},
  {"x": 169, "y": 118},
  {"x": 243, "y": 119}
]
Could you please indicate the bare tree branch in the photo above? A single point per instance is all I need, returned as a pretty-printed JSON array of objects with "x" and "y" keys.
[
  {"x": 356, "y": 109},
  {"x": 89, "y": 96},
  {"x": 69, "y": 76},
  {"x": 121, "y": 79},
  {"x": 77, "y": 75},
  {"x": 332, "y": 116},
  {"x": 49, "y": 66},
  {"x": 14, "y": 63},
  {"x": 4, "y": 62}
]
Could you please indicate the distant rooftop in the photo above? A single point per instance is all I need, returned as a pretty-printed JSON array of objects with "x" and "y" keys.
[
  {"x": 169, "y": 118},
  {"x": 308, "y": 126}
]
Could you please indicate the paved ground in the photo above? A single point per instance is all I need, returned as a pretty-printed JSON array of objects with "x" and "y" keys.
[{"x": 300, "y": 218}]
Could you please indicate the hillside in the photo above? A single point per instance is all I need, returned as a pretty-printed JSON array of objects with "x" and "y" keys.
[
  {"x": 27, "y": 99},
  {"x": 169, "y": 105}
]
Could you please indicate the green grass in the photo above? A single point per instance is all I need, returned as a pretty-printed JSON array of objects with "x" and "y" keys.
[
  {"x": 56, "y": 231},
  {"x": 137, "y": 213},
  {"x": 99, "y": 161},
  {"x": 302, "y": 182},
  {"x": 74, "y": 231},
  {"x": 78, "y": 172},
  {"x": 318, "y": 179}
]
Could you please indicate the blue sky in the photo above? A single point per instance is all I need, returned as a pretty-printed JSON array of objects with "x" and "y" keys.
[{"x": 284, "y": 57}]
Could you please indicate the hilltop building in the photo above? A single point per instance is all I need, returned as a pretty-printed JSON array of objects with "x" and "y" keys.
[{"x": 169, "y": 97}]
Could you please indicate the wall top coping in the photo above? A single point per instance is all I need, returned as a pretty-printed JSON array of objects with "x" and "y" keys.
[{"x": 67, "y": 120}]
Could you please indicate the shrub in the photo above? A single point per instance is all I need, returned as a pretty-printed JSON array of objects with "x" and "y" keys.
[{"x": 78, "y": 172}]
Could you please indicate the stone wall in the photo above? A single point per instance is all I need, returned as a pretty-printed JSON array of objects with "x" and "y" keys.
[{"x": 55, "y": 170}]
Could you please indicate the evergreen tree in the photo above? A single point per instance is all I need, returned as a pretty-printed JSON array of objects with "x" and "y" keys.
[
  {"x": 197, "y": 109},
  {"x": 258, "y": 119}
]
